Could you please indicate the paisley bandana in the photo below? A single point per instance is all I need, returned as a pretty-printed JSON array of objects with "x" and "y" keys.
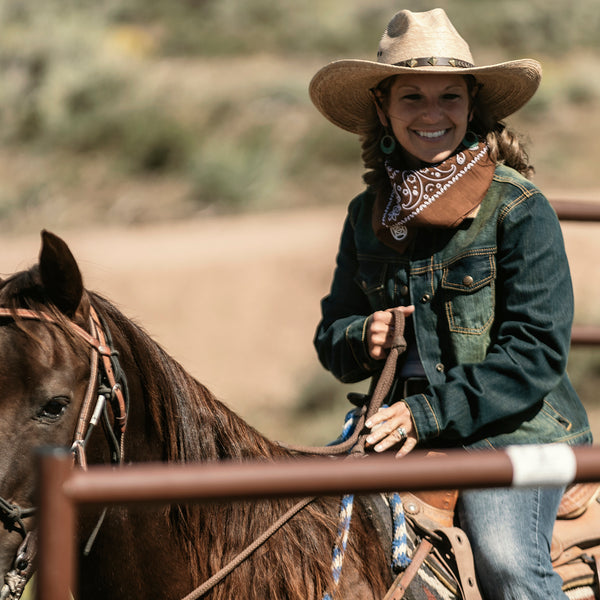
[{"x": 439, "y": 196}]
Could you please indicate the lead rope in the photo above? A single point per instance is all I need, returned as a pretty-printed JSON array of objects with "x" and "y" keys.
[
  {"x": 339, "y": 550},
  {"x": 354, "y": 445},
  {"x": 400, "y": 557},
  {"x": 242, "y": 556},
  {"x": 359, "y": 436}
]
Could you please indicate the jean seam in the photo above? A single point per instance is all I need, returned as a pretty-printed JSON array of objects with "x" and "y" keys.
[{"x": 538, "y": 541}]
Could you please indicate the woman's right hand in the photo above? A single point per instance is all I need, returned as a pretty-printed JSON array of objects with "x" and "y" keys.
[{"x": 380, "y": 331}]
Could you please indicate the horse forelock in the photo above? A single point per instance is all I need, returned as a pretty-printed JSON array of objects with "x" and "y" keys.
[{"x": 23, "y": 290}]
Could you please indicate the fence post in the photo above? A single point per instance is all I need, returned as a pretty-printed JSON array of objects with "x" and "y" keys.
[{"x": 56, "y": 527}]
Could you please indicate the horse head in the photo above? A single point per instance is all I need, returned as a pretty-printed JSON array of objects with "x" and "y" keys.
[{"x": 44, "y": 374}]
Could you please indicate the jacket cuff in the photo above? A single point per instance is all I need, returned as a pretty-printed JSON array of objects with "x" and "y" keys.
[
  {"x": 356, "y": 339},
  {"x": 423, "y": 417}
]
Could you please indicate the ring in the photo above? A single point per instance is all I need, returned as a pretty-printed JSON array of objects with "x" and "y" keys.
[{"x": 401, "y": 432}]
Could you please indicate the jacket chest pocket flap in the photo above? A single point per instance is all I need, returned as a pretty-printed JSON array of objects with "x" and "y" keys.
[
  {"x": 468, "y": 286},
  {"x": 370, "y": 277}
]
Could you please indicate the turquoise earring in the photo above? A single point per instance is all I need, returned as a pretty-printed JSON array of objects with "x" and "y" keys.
[
  {"x": 470, "y": 141},
  {"x": 387, "y": 144}
]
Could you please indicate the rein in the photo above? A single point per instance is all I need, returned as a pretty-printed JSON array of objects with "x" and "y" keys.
[
  {"x": 108, "y": 386},
  {"x": 354, "y": 446}
]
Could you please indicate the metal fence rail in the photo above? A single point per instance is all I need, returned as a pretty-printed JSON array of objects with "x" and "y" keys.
[
  {"x": 577, "y": 210},
  {"x": 62, "y": 490}
]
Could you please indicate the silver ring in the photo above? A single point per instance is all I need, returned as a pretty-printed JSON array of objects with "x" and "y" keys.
[{"x": 401, "y": 432}]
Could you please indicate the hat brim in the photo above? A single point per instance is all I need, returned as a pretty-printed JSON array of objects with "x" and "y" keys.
[{"x": 340, "y": 90}]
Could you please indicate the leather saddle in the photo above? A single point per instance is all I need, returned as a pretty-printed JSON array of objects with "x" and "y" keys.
[{"x": 441, "y": 559}]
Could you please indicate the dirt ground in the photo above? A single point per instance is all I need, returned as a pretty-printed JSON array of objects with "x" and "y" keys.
[{"x": 236, "y": 299}]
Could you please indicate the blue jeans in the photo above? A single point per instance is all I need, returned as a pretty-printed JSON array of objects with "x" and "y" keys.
[{"x": 510, "y": 531}]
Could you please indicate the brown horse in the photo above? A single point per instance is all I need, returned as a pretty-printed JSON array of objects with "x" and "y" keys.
[{"x": 45, "y": 373}]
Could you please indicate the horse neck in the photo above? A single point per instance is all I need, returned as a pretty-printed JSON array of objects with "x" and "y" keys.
[{"x": 172, "y": 415}]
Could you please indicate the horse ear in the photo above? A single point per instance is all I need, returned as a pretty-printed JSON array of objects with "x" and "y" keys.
[{"x": 60, "y": 274}]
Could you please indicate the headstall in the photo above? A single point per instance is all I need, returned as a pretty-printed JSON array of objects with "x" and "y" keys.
[{"x": 106, "y": 391}]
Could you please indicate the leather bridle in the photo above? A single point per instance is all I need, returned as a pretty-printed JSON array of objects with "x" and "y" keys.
[{"x": 106, "y": 391}]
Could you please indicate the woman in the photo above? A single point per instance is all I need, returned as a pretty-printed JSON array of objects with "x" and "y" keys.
[{"x": 450, "y": 230}]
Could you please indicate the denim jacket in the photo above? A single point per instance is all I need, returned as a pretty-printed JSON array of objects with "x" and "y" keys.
[{"x": 493, "y": 314}]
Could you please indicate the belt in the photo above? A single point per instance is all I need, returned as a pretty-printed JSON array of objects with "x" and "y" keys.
[
  {"x": 409, "y": 386},
  {"x": 405, "y": 386}
]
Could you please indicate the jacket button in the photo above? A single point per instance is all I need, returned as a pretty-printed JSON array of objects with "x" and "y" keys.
[
  {"x": 468, "y": 281},
  {"x": 425, "y": 298},
  {"x": 439, "y": 368},
  {"x": 404, "y": 290}
]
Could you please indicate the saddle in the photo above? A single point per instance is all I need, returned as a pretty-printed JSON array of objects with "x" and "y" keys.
[{"x": 442, "y": 566}]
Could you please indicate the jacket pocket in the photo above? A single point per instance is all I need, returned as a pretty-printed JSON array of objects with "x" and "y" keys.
[
  {"x": 370, "y": 277},
  {"x": 468, "y": 285}
]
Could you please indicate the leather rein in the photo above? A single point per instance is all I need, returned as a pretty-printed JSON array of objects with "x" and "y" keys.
[
  {"x": 353, "y": 447},
  {"x": 106, "y": 390}
]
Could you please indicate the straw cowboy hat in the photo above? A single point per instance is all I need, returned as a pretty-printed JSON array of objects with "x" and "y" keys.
[{"x": 425, "y": 42}]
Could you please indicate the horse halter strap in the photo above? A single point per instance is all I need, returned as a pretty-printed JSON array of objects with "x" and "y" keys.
[
  {"x": 101, "y": 352},
  {"x": 87, "y": 420},
  {"x": 101, "y": 386}
]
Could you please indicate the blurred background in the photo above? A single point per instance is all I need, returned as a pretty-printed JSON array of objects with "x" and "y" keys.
[{"x": 173, "y": 145}]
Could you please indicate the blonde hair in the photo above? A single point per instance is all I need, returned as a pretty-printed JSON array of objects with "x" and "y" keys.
[{"x": 505, "y": 145}]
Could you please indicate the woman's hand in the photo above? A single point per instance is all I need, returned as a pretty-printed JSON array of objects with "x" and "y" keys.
[
  {"x": 380, "y": 331},
  {"x": 384, "y": 426}
]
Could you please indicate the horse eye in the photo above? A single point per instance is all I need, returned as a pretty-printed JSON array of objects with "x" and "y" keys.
[{"x": 53, "y": 409}]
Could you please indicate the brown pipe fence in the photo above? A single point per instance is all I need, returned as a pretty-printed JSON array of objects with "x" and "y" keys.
[
  {"x": 63, "y": 490},
  {"x": 574, "y": 210}
]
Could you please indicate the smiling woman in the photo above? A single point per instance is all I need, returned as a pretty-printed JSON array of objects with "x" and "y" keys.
[{"x": 451, "y": 235}]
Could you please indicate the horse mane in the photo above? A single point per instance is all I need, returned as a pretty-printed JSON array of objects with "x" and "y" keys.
[
  {"x": 196, "y": 426},
  {"x": 193, "y": 426},
  {"x": 181, "y": 406}
]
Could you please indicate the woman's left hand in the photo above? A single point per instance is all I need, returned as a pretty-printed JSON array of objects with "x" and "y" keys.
[{"x": 387, "y": 426}]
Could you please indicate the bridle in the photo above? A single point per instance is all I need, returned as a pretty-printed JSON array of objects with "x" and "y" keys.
[{"x": 106, "y": 392}]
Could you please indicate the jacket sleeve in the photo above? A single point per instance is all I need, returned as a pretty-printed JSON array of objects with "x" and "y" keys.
[
  {"x": 528, "y": 352},
  {"x": 340, "y": 336}
]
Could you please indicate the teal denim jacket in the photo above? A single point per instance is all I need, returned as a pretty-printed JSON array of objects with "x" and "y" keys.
[{"x": 493, "y": 313}]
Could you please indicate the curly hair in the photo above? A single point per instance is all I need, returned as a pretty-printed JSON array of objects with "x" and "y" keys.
[{"x": 505, "y": 145}]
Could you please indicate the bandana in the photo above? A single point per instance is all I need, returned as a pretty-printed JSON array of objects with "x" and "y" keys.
[{"x": 439, "y": 196}]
